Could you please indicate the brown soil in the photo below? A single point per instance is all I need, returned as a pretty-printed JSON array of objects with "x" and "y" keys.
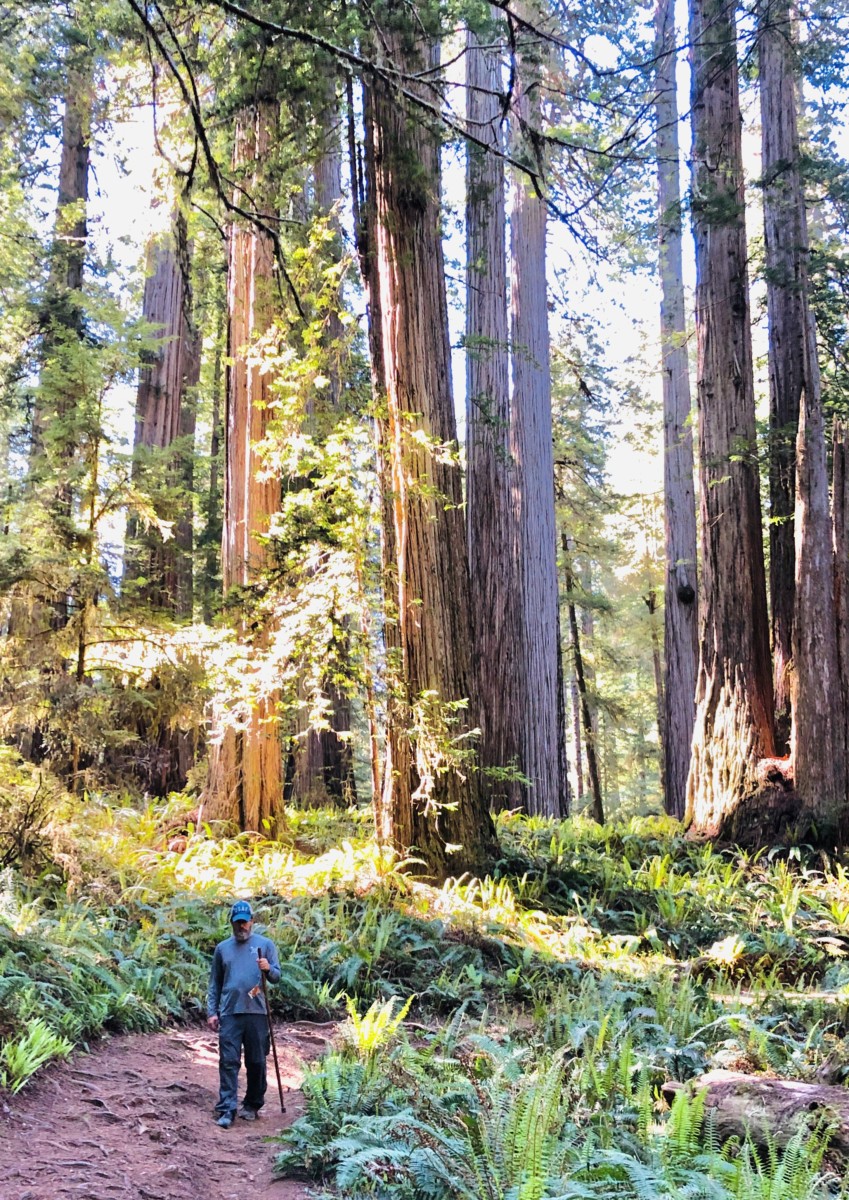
[{"x": 133, "y": 1120}]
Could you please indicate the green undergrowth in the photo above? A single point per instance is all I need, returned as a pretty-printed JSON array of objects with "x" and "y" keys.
[{"x": 544, "y": 1006}]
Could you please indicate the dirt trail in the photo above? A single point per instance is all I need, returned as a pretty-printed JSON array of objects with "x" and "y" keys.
[{"x": 133, "y": 1120}]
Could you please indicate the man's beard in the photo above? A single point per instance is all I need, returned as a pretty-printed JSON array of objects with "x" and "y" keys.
[{"x": 242, "y": 935}]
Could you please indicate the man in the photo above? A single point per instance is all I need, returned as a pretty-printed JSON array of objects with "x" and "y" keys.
[{"x": 235, "y": 1010}]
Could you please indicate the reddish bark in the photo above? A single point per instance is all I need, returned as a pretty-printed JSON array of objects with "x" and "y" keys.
[
  {"x": 733, "y": 728},
  {"x": 432, "y": 806},
  {"x": 246, "y": 782},
  {"x": 492, "y": 529},
  {"x": 681, "y": 644},
  {"x": 536, "y": 682}
]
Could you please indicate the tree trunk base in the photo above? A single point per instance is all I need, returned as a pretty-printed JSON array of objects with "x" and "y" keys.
[
  {"x": 773, "y": 813},
  {"x": 769, "y": 1111}
]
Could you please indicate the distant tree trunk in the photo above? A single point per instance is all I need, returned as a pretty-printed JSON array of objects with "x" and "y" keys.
[
  {"x": 818, "y": 738},
  {"x": 681, "y": 636},
  {"x": 364, "y": 205},
  {"x": 62, "y": 313},
  {"x": 433, "y": 803},
  {"x": 576, "y": 737},
  {"x": 491, "y": 527},
  {"x": 587, "y": 625},
  {"x": 56, "y": 422},
  {"x": 159, "y": 570},
  {"x": 246, "y": 764},
  {"x": 590, "y": 732},
  {"x": 535, "y": 685},
  {"x": 840, "y": 533},
  {"x": 784, "y": 237},
  {"x": 657, "y": 663},
  {"x": 323, "y": 766},
  {"x": 727, "y": 796},
  {"x": 165, "y": 417},
  {"x": 213, "y": 524}
]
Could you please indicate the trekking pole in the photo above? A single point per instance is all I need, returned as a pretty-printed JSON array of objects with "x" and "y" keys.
[{"x": 271, "y": 1036}]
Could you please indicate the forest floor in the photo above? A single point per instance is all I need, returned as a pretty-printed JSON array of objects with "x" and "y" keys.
[{"x": 133, "y": 1120}]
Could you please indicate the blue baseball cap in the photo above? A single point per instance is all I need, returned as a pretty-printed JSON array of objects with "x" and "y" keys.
[{"x": 241, "y": 911}]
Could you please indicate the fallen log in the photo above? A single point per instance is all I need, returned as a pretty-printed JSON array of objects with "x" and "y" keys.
[{"x": 769, "y": 1111}]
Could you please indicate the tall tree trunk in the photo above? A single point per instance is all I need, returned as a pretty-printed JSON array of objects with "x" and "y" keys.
[
  {"x": 323, "y": 766},
  {"x": 537, "y": 694},
  {"x": 681, "y": 635},
  {"x": 364, "y": 205},
  {"x": 840, "y": 534},
  {"x": 165, "y": 418},
  {"x": 246, "y": 766},
  {"x": 576, "y": 737},
  {"x": 491, "y": 527},
  {"x": 657, "y": 663},
  {"x": 733, "y": 731},
  {"x": 818, "y": 738},
  {"x": 786, "y": 306},
  {"x": 432, "y": 800},
  {"x": 213, "y": 523},
  {"x": 589, "y": 720},
  {"x": 159, "y": 569}
]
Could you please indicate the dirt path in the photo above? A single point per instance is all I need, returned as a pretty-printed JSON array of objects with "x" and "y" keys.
[{"x": 133, "y": 1121}]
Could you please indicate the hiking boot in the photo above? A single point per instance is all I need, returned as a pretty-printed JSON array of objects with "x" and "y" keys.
[
  {"x": 225, "y": 1121},
  {"x": 248, "y": 1114}
]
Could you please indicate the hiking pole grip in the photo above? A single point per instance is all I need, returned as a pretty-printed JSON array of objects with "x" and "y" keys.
[{"x": 271, "y": 1036}]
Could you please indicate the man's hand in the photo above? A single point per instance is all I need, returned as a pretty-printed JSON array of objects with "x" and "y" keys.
[
  {"x": 263, "y": 964},
  {"x": 213, "y": 1023}
]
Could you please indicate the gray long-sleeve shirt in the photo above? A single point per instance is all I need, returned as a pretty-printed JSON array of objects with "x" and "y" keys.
[{"x": 235, "y": 980}]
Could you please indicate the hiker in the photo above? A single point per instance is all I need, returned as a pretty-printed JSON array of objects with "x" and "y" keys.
[{"x": 235, "y": 1010}]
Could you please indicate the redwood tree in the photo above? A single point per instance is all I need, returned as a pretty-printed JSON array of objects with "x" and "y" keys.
[
  {"x": 432, "y": 803},
  {"x": 733, "y": 729},
  {"x": 537, "y": 677},
  {"x": 246, "y": 762},
  {"x": 492, "y": 529},
  {"x": 786, "y": 305},
  {"x": 165, "y": 418},
  {"x": 818, "y": 740},
  {"x": 681, "y": 609},
  {"x": 322, "y": 760}
]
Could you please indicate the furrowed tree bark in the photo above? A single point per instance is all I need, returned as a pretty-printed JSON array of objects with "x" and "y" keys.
[
  {"x": 246, "y": 783},
  {"x": 681, "y": 637},
  {"x": 492, "y": 529},
  {"x": 728, "y": 793},
  {"x": 818, "y": 737},
  {"x": 784, "y": 237},
  {"x": 536, "y": 685},
  {"x": 432, "y": 800},
  {"x": 323, "y": 767}
]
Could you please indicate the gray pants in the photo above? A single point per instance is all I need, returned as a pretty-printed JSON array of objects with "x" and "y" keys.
[{"x": 248, "y": 1030}]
